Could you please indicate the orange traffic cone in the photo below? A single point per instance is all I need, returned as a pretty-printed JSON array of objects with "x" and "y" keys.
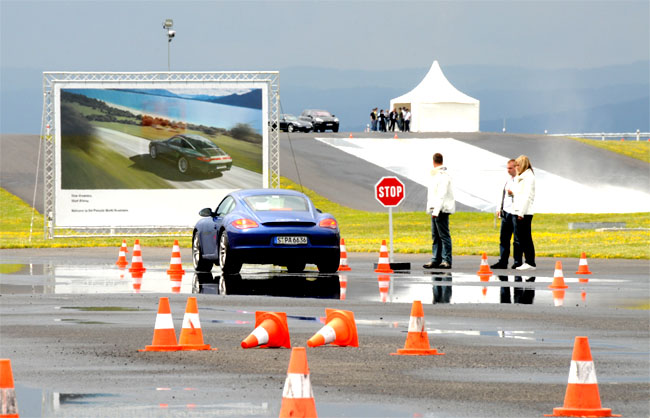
[
  {"x": 558, "y": 297},
  {"x": 191, "y": 334},
  {"x": 8, "y": 403},
  {"x": 558, "y": 277},
  {"x": 583, "y": 267},
  {"x": 136, "y": 260},
  {"x": 351, "y": 135},
  {"x": 343, "y": 264},
  {"x": 582, "y": 398},
  {"x": 383, "y": 265},
  {"x": 175, "y": 265},
  {"x": 484, "y": 268},
  {"x": 271, "y": 330},
  {"x": 395, "y": 137},
  {"x": 297, "y": 396},
  {"x": 121, "y": 258},
  {"x": 340, "y": 330},
  {"x": 384, "y": 285},
  {"x": 164, "y": 336},
  {"x": 343, "y": 283},
  {"x": 417, "y": 339}
]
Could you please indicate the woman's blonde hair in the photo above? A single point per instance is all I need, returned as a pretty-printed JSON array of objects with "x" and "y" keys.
[{"x": 523, "y": 164}]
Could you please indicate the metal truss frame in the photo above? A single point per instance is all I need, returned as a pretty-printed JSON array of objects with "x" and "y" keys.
[{"x": 49, "y": 129}]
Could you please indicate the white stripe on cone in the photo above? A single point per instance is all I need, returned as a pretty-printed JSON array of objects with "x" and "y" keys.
[
  {"x": 164, "y": 321},
  {"x": 328, "y": 334},
  {"x": 582, "y": 372},
  {"x": 261, "y": 334},
  {"x": 583, "y": 262},
  {"x": 194, "y": 318},
  {"x": 297, "y": 386},
  {"x": 175, "y": 260},
  {"x": 416, "y": 324},
  {"x": 383, "y": 260},
  {"x": 558, "y": 273}
]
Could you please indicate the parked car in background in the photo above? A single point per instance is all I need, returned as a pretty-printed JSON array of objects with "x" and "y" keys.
[
  {"x": 321, "y": 120},
  {"x": 191, "y": 152},
  {"x": 290, "y": 123},
  {"x": 266, "y": 226}
]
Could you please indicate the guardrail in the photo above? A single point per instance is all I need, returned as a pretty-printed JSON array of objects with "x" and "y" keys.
[{"x": 638, "y": 135}]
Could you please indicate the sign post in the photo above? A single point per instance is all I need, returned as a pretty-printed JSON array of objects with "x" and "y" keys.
[{"x": 390, "y": 191}]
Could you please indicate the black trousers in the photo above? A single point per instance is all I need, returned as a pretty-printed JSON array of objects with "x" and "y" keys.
[
  {"x": 507, "y": 230},
  {"x": 524, "y": 237}
]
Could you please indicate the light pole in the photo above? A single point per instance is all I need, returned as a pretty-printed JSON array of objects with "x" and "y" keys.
[{"x": 167, "y": 25}]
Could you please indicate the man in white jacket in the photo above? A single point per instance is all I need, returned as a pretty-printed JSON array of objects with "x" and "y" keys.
[{"x": 440, "y": 204}]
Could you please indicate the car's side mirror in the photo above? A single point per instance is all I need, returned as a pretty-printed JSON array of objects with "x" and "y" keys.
[
  {"x": 318, "y": 210},
  {"x": 206, "y": 212}
]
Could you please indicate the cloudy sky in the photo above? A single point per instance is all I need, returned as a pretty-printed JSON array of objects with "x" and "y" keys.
[{"x": 367, "y": 35}]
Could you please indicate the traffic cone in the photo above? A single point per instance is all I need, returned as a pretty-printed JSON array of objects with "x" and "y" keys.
[
  {"x": 8, "y": 403},
  {"x": 583, "y": 267},
  {"x": 164, "y": 336},
  {"x": 395, "y": 137},
  {"x": 485, "y": 267},
  {"x": 191, "y": 334},
  {"x": 297, "y": 396},
  {"x": 582, "y": 398},
  {"x": 175, "y": 265},
  {"x": 384, "y": 285},
  {"x": 343, "y": 264},
  {"x": 383, "y": 265},
  {"x": 136, "y": 260},
  {"x": 558, "y": 297},
  {"x": 343, "y": 282},
  {"x": 340, "y": 330},
  {"x": 351, "y": 135},
  {"x": 121, "y": 258},
  {"x": 558, "y": 277},
  {"x": 271, "y": 330},
  {"x": 417, "y": 339}
]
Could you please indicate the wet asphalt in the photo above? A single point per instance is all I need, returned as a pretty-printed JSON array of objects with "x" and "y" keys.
[{"x": 72, "y": 324}]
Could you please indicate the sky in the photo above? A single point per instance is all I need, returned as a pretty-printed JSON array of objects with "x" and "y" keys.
[{"x": 366, "y": 35}]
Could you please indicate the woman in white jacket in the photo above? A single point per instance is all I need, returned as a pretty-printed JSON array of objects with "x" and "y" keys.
[{"x": 524, "y": 197}]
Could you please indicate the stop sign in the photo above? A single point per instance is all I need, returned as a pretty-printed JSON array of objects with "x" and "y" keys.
[{"x": 390, "y": 191}]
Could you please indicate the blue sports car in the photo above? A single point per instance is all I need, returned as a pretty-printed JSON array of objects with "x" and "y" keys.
[{"x": 266, "y": 226}]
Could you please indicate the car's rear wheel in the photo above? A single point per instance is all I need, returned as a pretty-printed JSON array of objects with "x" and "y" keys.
[
  {"x": 329, "y": 263},
  {"x": 296, "y": 267},
  {"x": 153, "y": 152},
  {"x": 183, "y": 165},
  {"x": 290, "y": 128},
  {"x": 200, "y": 263},
  {"x": 227, "y": 260}
]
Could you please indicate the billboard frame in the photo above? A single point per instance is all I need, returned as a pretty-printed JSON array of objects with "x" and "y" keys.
[{"x": 49, "y": 129}]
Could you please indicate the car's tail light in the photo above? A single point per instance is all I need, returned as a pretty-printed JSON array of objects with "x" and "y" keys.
[
  {"x": 244, "y": 223},
  {"x": 328, "y": 223},
  {"x": 206, "y": 159}
]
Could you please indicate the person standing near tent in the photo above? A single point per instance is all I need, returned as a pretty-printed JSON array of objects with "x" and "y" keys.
[
  {"x": 407, "y": 120},
  {"x": 440, "y": 204},
  {"x": 524, "y": 197},
  {"x": 382, "y": 121},
  {"x": 504, "y": 212},
  {"x": 392, "y": 116}
]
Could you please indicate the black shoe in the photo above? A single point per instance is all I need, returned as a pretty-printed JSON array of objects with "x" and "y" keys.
[
  {"x": 431, "y": 265},
  {"x": 499, "y": 266},
  {"x": 444, "y": 265},
  {"x": 516, "y": 264}
]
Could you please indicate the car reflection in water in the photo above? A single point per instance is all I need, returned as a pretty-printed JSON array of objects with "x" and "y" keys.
[
  {"x": 521, "y": 295},
  {"x": 442, "y": 294},
  {"x": 322, "y": 286}
]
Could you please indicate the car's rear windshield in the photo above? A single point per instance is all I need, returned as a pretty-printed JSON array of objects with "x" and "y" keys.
[
  {"x": 277, "y": 202},
  {"x": 199, "y": 142}
]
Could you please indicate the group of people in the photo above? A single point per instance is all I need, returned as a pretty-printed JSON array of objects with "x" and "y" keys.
[
  {"x": 385, "y": 121},
  {"x": 514, "y": 208}
]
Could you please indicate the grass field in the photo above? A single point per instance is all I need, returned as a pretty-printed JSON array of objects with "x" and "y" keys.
[
  {"x": 639, "y": 150},
  {"x": 472, "y": 233}
]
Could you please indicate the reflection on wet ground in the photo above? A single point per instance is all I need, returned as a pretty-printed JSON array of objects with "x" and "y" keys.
[{"x": 435, "y": 288}]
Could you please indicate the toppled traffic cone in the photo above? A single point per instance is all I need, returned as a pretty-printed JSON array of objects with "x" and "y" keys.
[
  {"x": 485, "y": 267},
  {"x": 121, "y": 257},
  {"x": 384, "y": 285},
  {"x": 175, "y": 265},
  {"x": 417, "y": 339},
  {"x": 191, "y": 334},
  {"x": 136, "y": 260},
  {"x": 164, "y": 336},
  {"x": 343, "y": 264},
  {"x": 383, "y": 265},
  {"x": 582, "y": 398},
  {"x": 340, "y": 330},
  {"x": 8, "y": 403},
  {"x": 297, "y": 396},
  {"x": 343, "y": 283},
  {"x": 558, "y": 277},
  {"x": 583, "y": 267},
  {"x": 271, "y": 330}
]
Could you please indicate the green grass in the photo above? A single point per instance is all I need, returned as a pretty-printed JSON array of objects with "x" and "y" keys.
[
  {"x": 639, "y": 150},
  {"x": 472, "y": 233}
]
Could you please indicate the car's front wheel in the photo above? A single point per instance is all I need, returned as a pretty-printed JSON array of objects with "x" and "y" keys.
[
  {"x": 329, "y": 263},
  {"x": 153, "y": 152},
  {"x": 335, "y": 129},
  {"x": 183, "y": 165},
  {"x": 227, "y": 260},
  {"x": 200, "y": 263},
  {"x": 290, "y": 128}
]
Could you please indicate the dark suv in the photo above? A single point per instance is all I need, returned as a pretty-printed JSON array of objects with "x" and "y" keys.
[{"x": 321, "y": 120}]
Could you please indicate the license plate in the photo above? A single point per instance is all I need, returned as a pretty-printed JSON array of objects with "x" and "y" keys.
[{"x": 291, "y": 240}]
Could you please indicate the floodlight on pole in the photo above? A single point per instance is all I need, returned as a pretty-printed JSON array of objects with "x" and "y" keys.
[{"x": 168, "y": 24}]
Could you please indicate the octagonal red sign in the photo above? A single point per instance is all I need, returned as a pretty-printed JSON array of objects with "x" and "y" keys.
[{"x": 390, "y": 191}]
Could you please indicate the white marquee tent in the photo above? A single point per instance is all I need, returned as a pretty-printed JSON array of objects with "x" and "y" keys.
[{"x": 437, "y": 106}]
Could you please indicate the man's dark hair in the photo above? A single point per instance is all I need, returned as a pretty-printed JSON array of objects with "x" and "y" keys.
[{"x": 437, "y": 158}]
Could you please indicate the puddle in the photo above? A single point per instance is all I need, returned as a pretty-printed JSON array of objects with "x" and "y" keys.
[{"x": 101, "y": 308}]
